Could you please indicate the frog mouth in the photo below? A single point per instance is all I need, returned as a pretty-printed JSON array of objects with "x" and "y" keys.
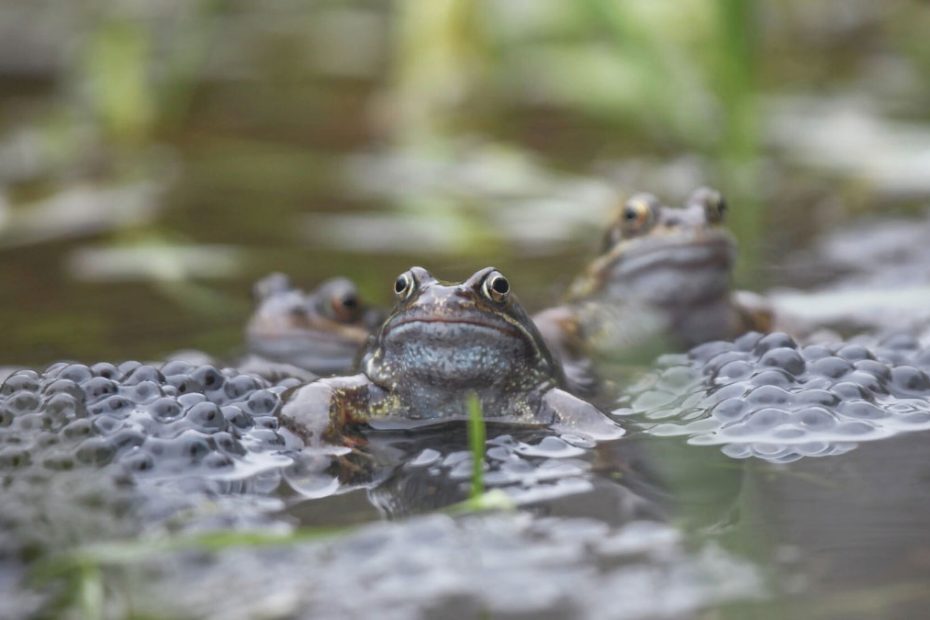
[
  {"x": 465, "y": 349},
  {"x": 685, "y": 254},
  {"x": 349, "y": 334},
  {"x": 320, "y": 352},
  {"x": 500, "y": 327}
]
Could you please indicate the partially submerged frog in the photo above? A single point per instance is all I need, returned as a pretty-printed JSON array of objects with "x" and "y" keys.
[
  {"x": 321, "y": 332},
  {"x": 442, "y": 343},
  {"x": 664, "y": 273}
]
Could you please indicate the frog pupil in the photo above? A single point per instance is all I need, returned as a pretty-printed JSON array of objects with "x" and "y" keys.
[
  {"x": 500, "y": 285},
  {"x": 400, "y": 285}
]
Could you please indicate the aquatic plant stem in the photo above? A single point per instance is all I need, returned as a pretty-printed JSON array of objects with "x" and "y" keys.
[
  {"x": 476, "y": 440},
  {"x": 91, "y": 593},
  {"x": 736, "y": 68}
]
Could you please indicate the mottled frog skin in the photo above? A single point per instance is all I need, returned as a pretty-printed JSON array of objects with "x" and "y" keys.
[
  {"x": 664, "y": 272},
  {"x": 442, "y": 343},
  {"x": 321, "y": 332}
]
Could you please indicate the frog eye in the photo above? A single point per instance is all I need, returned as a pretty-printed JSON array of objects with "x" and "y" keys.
[
  {"x": 496, "y": 287},
  {"x": 638, "y": 214},
  {"x": 350, "y": 300},
  {"x": 712, "y": 202},
  {"x": 716, "y": 210},
  {"x": 271, "y": 285},
  {"x": 404, "y": 285},
  {"x": 346, "y": 306}
]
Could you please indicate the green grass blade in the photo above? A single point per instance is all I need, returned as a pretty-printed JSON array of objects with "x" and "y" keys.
[
  {"x": 476, "y": 441},
  {"x": 91, "y": 592}
]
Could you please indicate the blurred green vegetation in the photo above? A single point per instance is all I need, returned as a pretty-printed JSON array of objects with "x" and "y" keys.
[
  {"x": 128, "y": 82},
  {"x": 245, "y": 114}
]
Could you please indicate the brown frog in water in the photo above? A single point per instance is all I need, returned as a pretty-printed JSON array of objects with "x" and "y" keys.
[
  {"x": 321, "y": 332},
  {"x": 442, "y": 343},
  {"x": 664, "y": 275}
]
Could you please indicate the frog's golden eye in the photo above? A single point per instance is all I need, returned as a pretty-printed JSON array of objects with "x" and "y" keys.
[
  {"x": 404, "y": 285},
  {"x": 496, "y": 287},
  {"x": 712, "y": 202},
  {"x": 638, "y": 214},
  {"x": 338, "y": 299}
]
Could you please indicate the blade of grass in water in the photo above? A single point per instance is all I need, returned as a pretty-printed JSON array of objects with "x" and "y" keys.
[
  {"x": 83, "y": 568},
  {"x": 736, "y": 69},
  {"x": 92, "y": 557},
  {"x": 91, "y": 592},
  {"x": 476, "y": 440},
  {"x": 478, "y": 500}
]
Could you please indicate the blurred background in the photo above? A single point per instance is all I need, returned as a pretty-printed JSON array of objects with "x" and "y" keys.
[{"x": 157, "y": 156}]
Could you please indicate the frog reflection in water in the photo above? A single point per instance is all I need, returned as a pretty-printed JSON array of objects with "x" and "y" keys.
[
  {"x": 321, "y": 332},
  {"x": 441, "y": 343},
  {"x": 664, "y": 273}
]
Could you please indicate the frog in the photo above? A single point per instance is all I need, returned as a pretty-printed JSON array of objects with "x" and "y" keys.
[
  {"x": 306, "y": 335},
  {"x": 443, "y": 346},
  {"x": 663, "y": 276}
]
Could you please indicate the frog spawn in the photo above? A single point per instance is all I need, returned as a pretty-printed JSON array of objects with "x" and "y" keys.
[
  {"x": 765, "y": 396},
  {"x": 528, "y": 469},
  {"x": 141, "y": 417},
  {"x": 138, "y": 435},
  {"x": 500, "y": 565},
  {"x": 85, "y": 449}
]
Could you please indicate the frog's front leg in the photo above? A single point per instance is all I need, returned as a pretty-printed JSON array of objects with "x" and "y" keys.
[
  {"x": 561, "y": 329},
  {"x": 570, "y": 414},
  {"x": 321, "y": 411},
  {"x": 753, "y": 313}
]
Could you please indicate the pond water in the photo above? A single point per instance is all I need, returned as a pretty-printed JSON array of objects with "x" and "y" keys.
[{"x": 134, "y": 244}]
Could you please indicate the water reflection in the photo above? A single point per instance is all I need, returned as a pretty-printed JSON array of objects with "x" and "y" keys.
[
  {"x": 414, "y": 473},
  {"x": 848, "y": 534}
]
